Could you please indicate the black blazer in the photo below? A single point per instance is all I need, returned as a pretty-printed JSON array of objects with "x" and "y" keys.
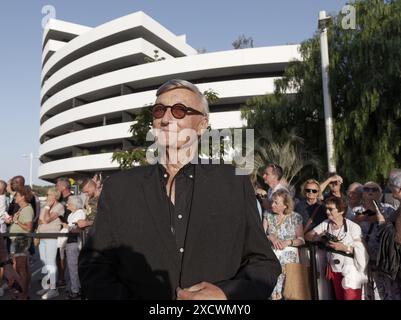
[{"x": 131, "y": 253}]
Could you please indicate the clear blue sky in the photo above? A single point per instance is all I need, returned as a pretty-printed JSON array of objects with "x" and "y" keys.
[{"x": 209, "y": 24}]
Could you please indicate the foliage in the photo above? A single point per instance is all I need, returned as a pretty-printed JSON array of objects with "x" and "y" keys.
[
  {"x": 365, "y": 77},
  {"x": 41, "y": 191},
  {"x": 243, "y": 42}
]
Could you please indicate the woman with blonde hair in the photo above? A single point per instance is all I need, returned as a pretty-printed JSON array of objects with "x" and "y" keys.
[
  {"x": 311, "y": 209},
  {"x": 284, "y": 229},
  {"x": 49, "y": 222}
]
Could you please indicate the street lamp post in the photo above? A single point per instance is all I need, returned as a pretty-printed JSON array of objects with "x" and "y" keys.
[
  {"x": 324, "y": 51},
  {"x": 30, "y": 156}
]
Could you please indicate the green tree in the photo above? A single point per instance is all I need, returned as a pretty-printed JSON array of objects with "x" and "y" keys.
[
  {"x": 365, "y": 77},
  {"x": 243, "y": 42}
]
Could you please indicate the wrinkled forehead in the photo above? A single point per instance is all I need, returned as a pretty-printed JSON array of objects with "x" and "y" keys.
[{"x": 180, "y": 95}]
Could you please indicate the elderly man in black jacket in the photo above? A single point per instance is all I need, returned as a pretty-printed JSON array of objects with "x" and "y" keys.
[{"x": 178, "y": 229}]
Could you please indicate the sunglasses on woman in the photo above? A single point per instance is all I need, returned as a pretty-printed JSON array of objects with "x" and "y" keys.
[
  {"x": 311, "y": 191},
  {"x": 178, "y": 111}
]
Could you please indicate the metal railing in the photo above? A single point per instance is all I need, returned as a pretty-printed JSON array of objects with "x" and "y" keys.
[
  {"x": 311, "y": 246},
  {"x": 47, "y": 235}
]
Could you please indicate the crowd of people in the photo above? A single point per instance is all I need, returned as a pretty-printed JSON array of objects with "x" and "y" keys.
[
  {"x": 191, "y": 231},
  {"x": 62, "y": 212},
  {"x": 351, "y": 232},
  {"x": 348, "y": 229}
]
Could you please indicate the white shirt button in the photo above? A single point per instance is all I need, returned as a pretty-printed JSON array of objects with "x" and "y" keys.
[
  {"x": 165, "y": 175},
  {"x": 191, "y": 176},
  {"x": 179, "y": 216},
  {"x": 181, "y": 250}
]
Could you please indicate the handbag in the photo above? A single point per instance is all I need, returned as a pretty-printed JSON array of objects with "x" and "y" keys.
[{"x": 296, "y": 283}]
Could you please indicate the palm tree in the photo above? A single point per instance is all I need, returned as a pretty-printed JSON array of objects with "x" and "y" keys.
[{"x": 287, "y": 150}]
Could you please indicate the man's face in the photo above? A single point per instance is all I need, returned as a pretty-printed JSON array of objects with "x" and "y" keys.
[
  {"x": 60, "y": 186},
  {"x": 269, "y": 177},
  {"x": 354, "y": 196},
  {"x": 396, "y": 191},
  {"x": 168, "y": 124},
  {"x": 371, "y": 192},
  {"x": 89, "y": 189}
]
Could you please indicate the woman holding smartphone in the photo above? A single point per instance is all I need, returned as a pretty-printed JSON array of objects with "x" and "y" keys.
[{"x": 370, "y": 217}]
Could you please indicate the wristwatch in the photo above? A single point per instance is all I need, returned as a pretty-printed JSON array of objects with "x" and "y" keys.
[{"x": 3, "y": 263}]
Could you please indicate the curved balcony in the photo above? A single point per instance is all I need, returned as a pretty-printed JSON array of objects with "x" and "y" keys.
[
  {"x": 119, "y": 56},
  {"x": 136, "y": 25},
  {"x": 223, "y": 64},
  {"x": 90, "y": 163},
  {"x": 232, "y": 91},
  {"x": 97, "y": 135}
]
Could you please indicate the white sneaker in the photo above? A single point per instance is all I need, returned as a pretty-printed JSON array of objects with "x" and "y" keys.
[
  {"x": 52, "y": 293},
  {"x": 41, "y": 292}
]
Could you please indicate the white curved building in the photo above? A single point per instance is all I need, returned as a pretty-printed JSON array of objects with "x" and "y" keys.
[{"x": 94, "y": 79}]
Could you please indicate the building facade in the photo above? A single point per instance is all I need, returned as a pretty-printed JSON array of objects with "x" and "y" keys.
[{"x": 95, "y": 79}]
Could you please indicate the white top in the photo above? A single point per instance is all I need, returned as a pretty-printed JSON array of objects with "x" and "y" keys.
[
  {"x": 276, "y": 188},
  {"x": 75, "y": 216},
  {"x": 354, "y": 269},
  {"x": 3, "y": 204},
  {"x": 3, "y": 213}
]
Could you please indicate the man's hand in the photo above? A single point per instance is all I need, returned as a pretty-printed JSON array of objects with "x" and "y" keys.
[
  {"x": 11, "y": 275},
  {"x": 201, "y": 291}
]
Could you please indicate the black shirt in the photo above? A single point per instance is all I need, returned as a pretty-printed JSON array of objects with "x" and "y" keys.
[
  {"x": 72, "y": 237},
  {"x": 180, "y": 211},
  {"x": 67, "y": 212},
  {"x": 306, "y": 211}
]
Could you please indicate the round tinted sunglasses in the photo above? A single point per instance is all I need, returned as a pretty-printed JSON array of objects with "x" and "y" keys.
[{"x": 178, "y": 111}]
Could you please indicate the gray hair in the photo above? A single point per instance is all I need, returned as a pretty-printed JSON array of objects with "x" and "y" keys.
[
  {"x": 395, "y": 180},
  {"x": 178, "y": 83},
  {"x": 358, "y": 187},
  {"x": 65, "y": 181},
  {"x": 76, "y": 201},
  {"x": 372, "y": 183}
]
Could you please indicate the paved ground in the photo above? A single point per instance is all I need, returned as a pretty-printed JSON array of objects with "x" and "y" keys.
[{"x": 36, "y": 267}]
